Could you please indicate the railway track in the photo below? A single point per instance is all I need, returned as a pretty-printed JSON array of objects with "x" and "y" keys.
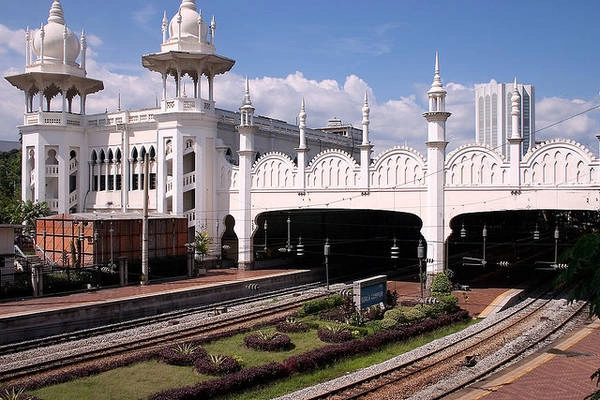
[
  {"x": 22, "y": 364},
  {"x": 457, "y": 354}
]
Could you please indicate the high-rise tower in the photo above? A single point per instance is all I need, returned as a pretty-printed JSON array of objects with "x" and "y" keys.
[{"x": 493, "y": 121}]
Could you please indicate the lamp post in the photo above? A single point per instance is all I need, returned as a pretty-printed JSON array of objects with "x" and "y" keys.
[
  {"x": 111, "y": 231},
  {"x": 536, "y": 233},
  {"x": 556, "y": 236},
  {"x": 288, "y": 246},
  {"x": 421, "y": 256},
  {"x": 326, "y": 250},
  {"x": 300, "y": 247},
  {"x": 218, "y": 244},
  {"x": 484, "y": 233},
  {"x": 265, "y": 228}
]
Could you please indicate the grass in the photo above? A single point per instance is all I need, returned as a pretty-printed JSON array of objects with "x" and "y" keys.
[
  {"x": 143, "y": 379},
  {"x": 344, "y": 367},
  {"x": 133, "y": 382}
]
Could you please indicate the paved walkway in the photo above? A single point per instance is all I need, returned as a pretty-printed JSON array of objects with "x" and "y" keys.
[{"x": 213, "y": 277}]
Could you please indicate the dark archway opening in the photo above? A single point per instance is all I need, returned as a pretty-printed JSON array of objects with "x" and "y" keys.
[{"x": 360, "y": 241}]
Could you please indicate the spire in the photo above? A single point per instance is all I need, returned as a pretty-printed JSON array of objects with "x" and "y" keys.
[
  {"x": 247, "y": 100},
  {"x": 516, "y": 111},
  {"x": 437, "y": 94},
  {"x": 302, "y": 125},
  {"x": 437, "y": 79},
  {"x": 165, "y": 26},
  {"x": 56, "y": 13},
  {"x": 365, "y": 120}
]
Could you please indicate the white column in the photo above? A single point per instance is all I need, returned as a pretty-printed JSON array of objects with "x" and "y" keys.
[
  {"x": 302, "y": 150},
  {"x": 365, "y": 147}
]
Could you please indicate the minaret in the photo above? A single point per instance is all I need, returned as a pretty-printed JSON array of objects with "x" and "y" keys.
[
  {"x": 515, "y": 141},
  {"x": 433, "y": 217},
  {"x": 365, "y": 147},
  {"x": 243, "y": 217},
  {"x": 302, "y": 149}
]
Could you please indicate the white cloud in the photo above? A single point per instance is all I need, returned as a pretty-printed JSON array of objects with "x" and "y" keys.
[{"x": 393, "y": 121}]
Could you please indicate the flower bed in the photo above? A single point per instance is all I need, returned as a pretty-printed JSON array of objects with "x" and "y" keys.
[
  {"x": 290, "y": 325},
  {"x": 268, "y": 342},
  {"x": 334, "y": 334},
  {"x": 217, "y": 365},
  {"x": 184, "y": 354}
]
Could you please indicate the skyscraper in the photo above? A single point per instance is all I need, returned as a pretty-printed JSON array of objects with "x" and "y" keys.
[{"x": 493, "y": 122}]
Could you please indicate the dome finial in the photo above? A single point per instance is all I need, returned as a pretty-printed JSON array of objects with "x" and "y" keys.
[
  {"x": 189, "y": 4},
  {"x": 56, "y": 13},
  {"x": 437, "y": 79}
]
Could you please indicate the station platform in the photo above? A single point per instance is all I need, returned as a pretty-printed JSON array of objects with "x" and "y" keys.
[{"x": 34, "y": 318}]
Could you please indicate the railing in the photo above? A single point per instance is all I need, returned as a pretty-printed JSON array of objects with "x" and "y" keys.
[
  {"x": 189, "y": 105},
  {"x": 52, "y": 170},
  {"x": 191, "y": 217},
  {"x": 73, "y": 198},
  {"x": 49, "y": 261},
  {"x": 189, "y": 181},
  {"x": 53, "y": 118},
  {"x": 19, "y": 251},
  {"x": 52, "y": 204}
]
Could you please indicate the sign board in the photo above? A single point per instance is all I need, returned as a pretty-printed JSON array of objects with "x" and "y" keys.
[{"x": 370, "y": 291}]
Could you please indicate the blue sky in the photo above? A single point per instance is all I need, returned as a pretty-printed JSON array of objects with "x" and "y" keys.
[{"x": 332, "y": 51}]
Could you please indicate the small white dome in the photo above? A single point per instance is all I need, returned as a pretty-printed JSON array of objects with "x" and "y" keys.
[
  {"x": 54, "y": 38},
  {"x": 189, "y": 22}
]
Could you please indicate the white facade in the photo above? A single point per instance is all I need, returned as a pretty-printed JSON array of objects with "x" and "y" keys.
[
  {"x": 493, "y": 120},
  {"x": 222, "y": 169}
]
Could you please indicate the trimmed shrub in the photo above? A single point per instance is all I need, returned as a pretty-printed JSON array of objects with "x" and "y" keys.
[
  {"x": 334, "y": 334},
  {"x": 291, "y": 325},
  {"x": 237, "y": 381},
  {"x": 184, "y": 354},
  {"x": 266, "y": 341},
  {"x": 414, "y": 314},
  {"x": 388, "y": 323},
  {"x": 395, "y": 314},
  {"x": 317, "y": 305},
  {"x": 217, "y": 364},
  {"x": 448, "y": 302},
  {"x": 441, "y": 284}
]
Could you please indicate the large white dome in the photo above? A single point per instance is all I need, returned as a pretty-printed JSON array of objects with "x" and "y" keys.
[
  {"x": 54, "y": 38},
  {"x": 189, "y": 22}
]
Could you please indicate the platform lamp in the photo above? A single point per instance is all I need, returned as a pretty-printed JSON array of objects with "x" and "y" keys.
[
  {"x": 536, "y": 233},
  {"x": 484, "y": 233},
  {"x": 556, "y": 236},
  {"x": 300, "y": 247},
  {"x": 111, "y": 231},
  {"x": 421, "y": 256},
  {"x": 394, "y": 252},
  {"x": 265, "y": 229},
  {"x": 288, "y": 245},
  {"x": 326, "y": 251},
  {"x": 463, "y": 231}
]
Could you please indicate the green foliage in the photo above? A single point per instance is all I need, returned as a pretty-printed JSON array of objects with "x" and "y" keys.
[
  {"x": 583, "y": 273},
  {"x": 441, "y": 284},
  {"x": 396, "y": 315},
  {"x": 24, "y": 213},
  {"x": 388, "y": 323},
  {"x": 10, "y": 177},
  {"x": 201, "y": 242},
  {"x": 317, "y": 305},
  {"x": 448, "y": 302},
  {"x": 414, "y": 314}
]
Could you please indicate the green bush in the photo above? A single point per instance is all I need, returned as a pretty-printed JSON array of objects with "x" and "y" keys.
[
  {"x": 317, "y": 305},
  {"x": 395, "y": 314},
  {"x": 441, "y": 284},
  {"x": 448, "y": 302},
  {"x": 388, "y": 323},
  {"x": 414, "y": 314}
]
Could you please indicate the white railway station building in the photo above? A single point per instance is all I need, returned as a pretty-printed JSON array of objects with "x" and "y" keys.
[{"x": 213, "y": 165}]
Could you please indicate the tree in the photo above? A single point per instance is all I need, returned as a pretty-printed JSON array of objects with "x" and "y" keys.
[
  {"x": 201, "y": 242},
  {"x": 583, "y": 274},
  {"x": 25, "y": 213}
]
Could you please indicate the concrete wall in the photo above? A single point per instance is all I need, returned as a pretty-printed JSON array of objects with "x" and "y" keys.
[{"x": 38, "y": 325}]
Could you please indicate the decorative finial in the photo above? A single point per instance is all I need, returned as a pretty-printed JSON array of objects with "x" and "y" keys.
[
  {"x": 56, "y": 13},
  {"x": 189, "y": 4},
  {"x": 247, "y": 100},
  {"x": 437, "y": 79}
]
